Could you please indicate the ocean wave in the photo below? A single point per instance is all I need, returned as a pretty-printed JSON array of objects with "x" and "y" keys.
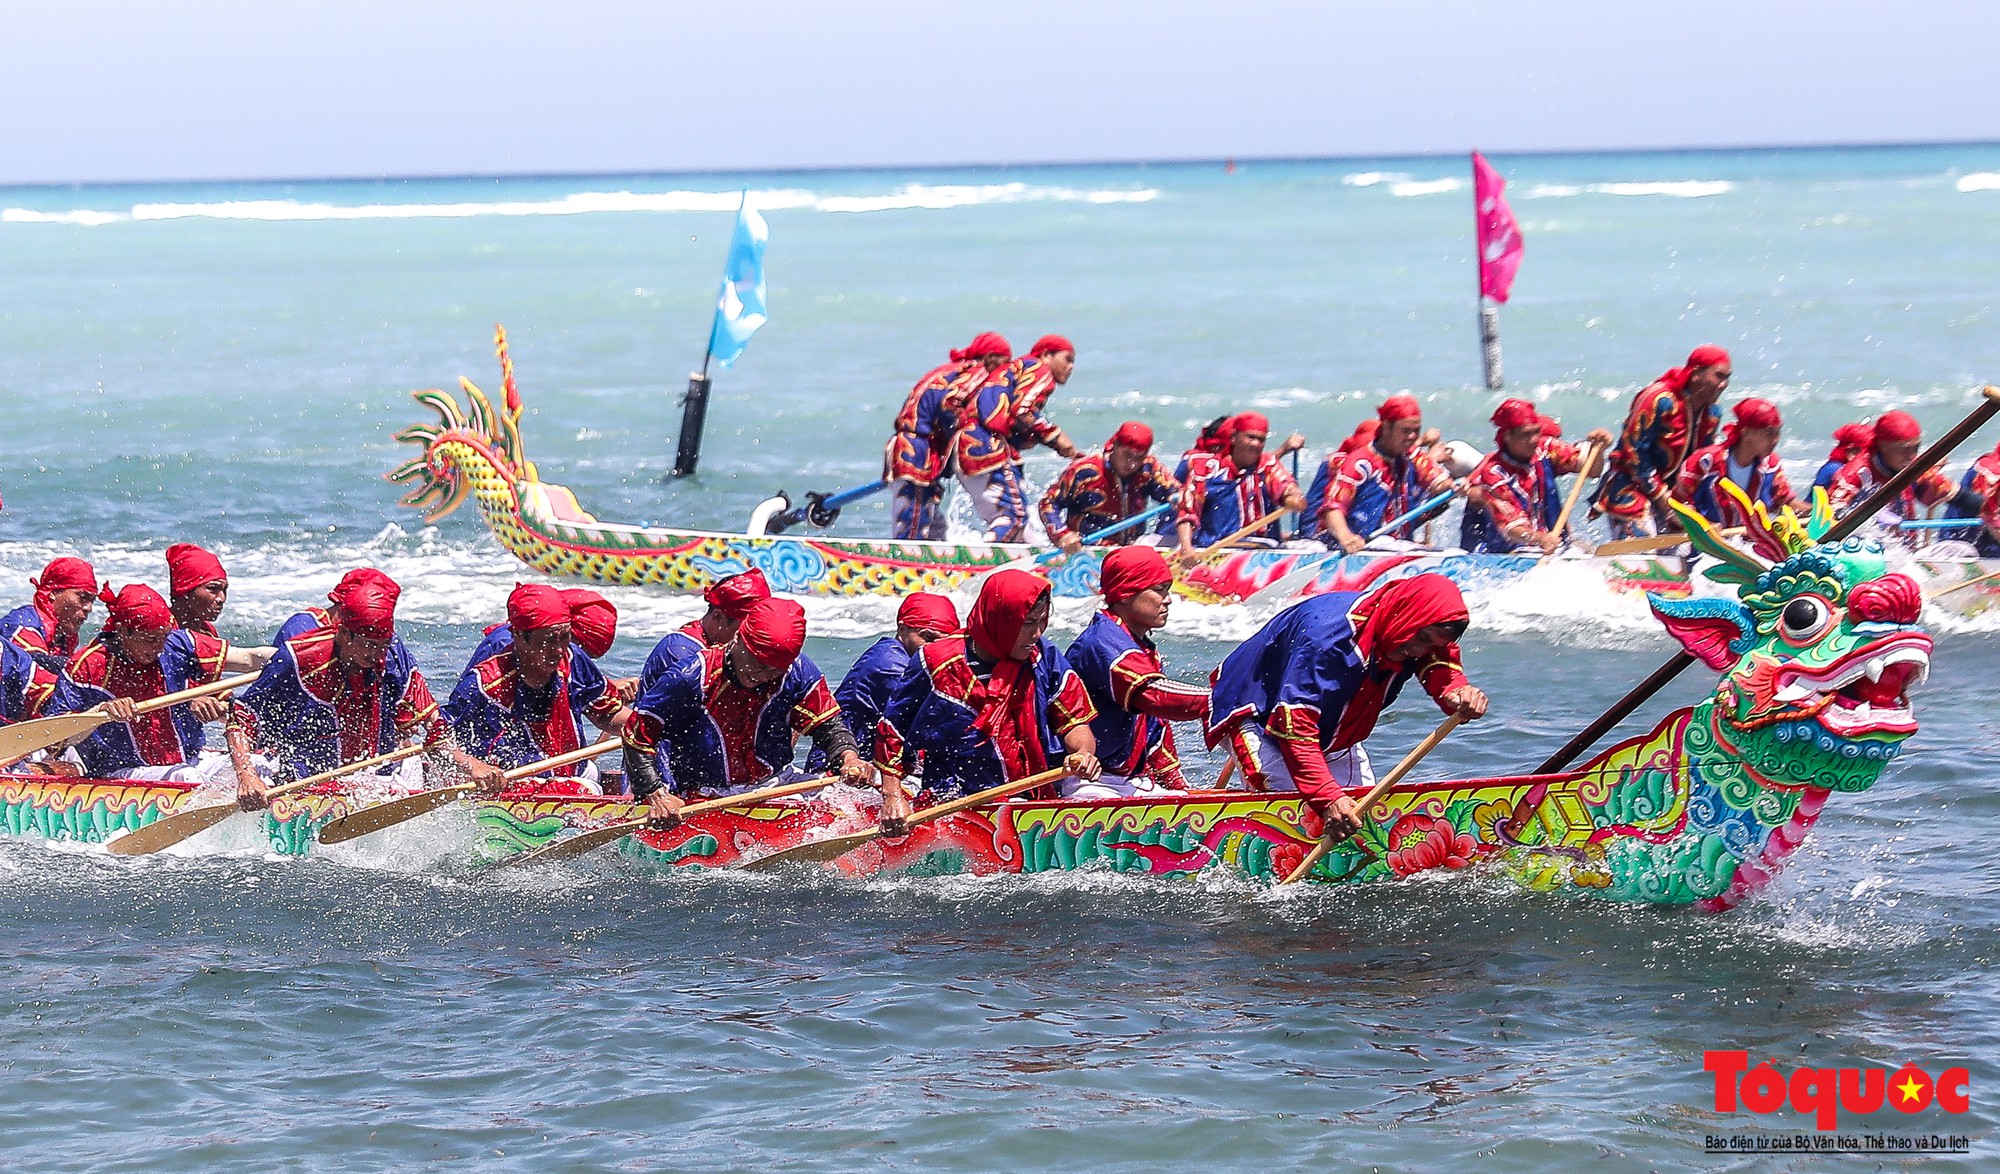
[
  {"x": 1368, "y": 179},
  {"x": 1980, "y": 181},
  {"x": 909, "y": 196},
  {"x": 1425, "y": 187}
]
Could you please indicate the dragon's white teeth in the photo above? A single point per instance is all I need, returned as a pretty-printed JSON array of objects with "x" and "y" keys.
[
  {"x": 1874, "y": 668},
  {"x": 1793, "y": 692}
]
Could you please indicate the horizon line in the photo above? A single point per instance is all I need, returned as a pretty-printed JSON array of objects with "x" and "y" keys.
[{"x": 1183, "y": 161}]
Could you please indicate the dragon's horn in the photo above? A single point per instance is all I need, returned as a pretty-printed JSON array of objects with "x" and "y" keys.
[
  {"x": 511, "y": 398},
  {"x": 1739, "y": 566},
  {"x": 1772, "y": 539}
]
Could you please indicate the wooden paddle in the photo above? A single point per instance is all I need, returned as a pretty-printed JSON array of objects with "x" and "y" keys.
[
  {"x": 1656, "y": 542},
  {"x": 165, "y": 833},
  {"x": 1575, "y": 492},
  {"x": 1410, "y": 760},
  {"x": 24, "y": 738},
  {"x": 1230, "y": 540},
  {"x": 1857, "y": 517},
  {"x": 395, "y": 811},
  {"x": 582, "y": 842},
  {"x": 1963, "y": 584},
  {"x": 821, "y": 851}
]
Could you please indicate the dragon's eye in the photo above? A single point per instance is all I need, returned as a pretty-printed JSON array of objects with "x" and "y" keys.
[{"x": 1804, "y": 618}]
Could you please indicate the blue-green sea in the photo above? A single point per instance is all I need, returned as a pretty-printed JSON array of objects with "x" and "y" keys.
[{"x": 228, "y": 364}]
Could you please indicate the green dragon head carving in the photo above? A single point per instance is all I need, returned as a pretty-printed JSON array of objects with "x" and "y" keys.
[
  {"x": 442, "y": 477},
  {"x": 1817, "y": 651}
]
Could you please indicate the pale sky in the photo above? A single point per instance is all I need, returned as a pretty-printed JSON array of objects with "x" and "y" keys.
[{"x": 213, "y": 89}]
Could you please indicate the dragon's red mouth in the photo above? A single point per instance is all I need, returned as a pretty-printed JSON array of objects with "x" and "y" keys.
[{"x": 1865, "y": 691}]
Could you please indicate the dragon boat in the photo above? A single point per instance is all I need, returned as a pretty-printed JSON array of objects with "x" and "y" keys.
[{"x": 1817, "y": 651}]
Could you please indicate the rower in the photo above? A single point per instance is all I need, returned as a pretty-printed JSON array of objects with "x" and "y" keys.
[
  {"x": 140, "y": 655},
  {"x": 340, "y": 692},
  {"x": 1975, "y": 494},
  {"x": 197, "y": 587},
  {"x": 864, "y": 692},
  {"x": 1104, "y": 488},
  {"x": 529, "y": 701},
  {"x": 1512, "y": 499},
  {"x": 1670, "y": 419},
  {"x": 725, "y": 720},
  {"x": 27, "y": 690},
  {"x": 1893, "y": 446},
  {"x": 997, "y": 704},
  {"x": 1120, "y": 667},
  {"x": 919, "y": 453},
  {"x": 1381, "y": 480},
  {"x": 303, "y": 621},
  {"x": 593, "y": 625},
  {"x": 996, "y": 420},
  {"x": 729, "y": 599},
  {"x": 1748, "y": 456},
  {"x": 1849, "y": 441},
  {"x": 1224, "y": 492},
  {"x": 1295, "y": 702},
  {"x": 47, "y": 629}
]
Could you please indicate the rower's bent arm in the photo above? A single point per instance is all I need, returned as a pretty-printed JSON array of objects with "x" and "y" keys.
[{"x": 245, "y": 660}]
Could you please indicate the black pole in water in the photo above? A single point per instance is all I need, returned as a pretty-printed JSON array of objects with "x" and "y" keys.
[
  {"x": 694, "y": 413},
  {"x": 1489, "y": 342}
]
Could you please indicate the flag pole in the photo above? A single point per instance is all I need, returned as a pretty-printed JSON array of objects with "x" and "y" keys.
[
  {"x": 694, "y": 404},
  {"x": 1489, "y": 313}
]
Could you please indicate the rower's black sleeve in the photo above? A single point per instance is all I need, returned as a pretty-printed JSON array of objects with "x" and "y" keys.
[
  {"x": 1969, "y": 503},
  {"x": 834, "y": 739},
  {"x": 640, "y": 773}
]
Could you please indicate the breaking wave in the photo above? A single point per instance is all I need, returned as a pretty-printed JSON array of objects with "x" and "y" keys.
[{"x": 1980, "y": 181}]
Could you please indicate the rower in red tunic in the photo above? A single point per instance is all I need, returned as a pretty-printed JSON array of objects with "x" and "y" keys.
[
  {"x": 341, "y": 692},
  {"x": 1295, "y": 701},
  {"x": 1670, "y": 419},
  {"x": 1120, "y": 667},
  {"x": 998, "y": 419},
  {"x": 729, "y": 599},
  {"x": 1894, "y": 445},
  {"x": 48, "y": 628},
  {"x": 1850, "y": 440},
  {"x": 1223, "y": 492},
  {"x": 141, "y": 654},
  {"x": 918, "y": 455},
  {"x": 997, "y": 704},
  {"x": 726, "y": 719},
  {"x": 1513, "y": 498},
  {"x": 1107, "y": 487},
  {"x": 530, "y": 700},
  {"x": 1376, "y": 482},
  {"x": 1748, "y": 456}
]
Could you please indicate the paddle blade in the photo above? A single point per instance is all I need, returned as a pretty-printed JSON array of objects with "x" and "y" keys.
[
  {"x": 814, "y": 851},
  {"x": 388, "y": 815},
  {"x": 24, "y": 738},
  {"x": 574, "y": 846},
  {"x": 165, "y": 833}
]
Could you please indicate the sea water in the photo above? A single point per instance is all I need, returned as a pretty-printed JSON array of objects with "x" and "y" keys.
[{"x": 228, "y": 364}]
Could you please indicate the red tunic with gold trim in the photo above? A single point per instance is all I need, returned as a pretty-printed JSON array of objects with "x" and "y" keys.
[
  {"x": 925, "y": 426},
  {"x": 315, "y": 714},
  {"x": 497, "y": 717},
  {"x": 1089, "y": 496},
  {"x": 1864, "y": 475},
  {"x": 1003, "y": 415},
  {"x": 1510, "y": 493},
  {"x": 164, "y": 737},
  {"x": 1220, "y": 499},
  {"x": 707, "y": 732},
  {"x": 1700, "y": 486},
  {"x": 1657, "y": 440},
  {"x": 930, "y": 724}
]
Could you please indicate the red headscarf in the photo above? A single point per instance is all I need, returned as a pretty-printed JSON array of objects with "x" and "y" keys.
[
  {"x": 1399, "y": 407},
  {"x": 1701, "y": 356},
  {"x": 1551, "y": 427},
  {"x": 1214, "y": 436},
  {"x": 368, "y": 608},
  {"x": 1131, "y": 434},
  {"x": 984, "y": 346},
  {"x": 774, "y": 631},
  {"x": 364, "y": 577},
  {"x": 736, "y": 595},
  {"x": 593, "y": 622},
  {"x": 536, "y": 605},
  {"x": 63, "y": 574},
  {"x": 189, "y": 567},
  {"x": 929, "y": 613},
  {"x": 1244, "y": 422},
  {"x": 1132, "y": 569},
  {"x": 1851, "y": 440},
  {"x": 1050, "y": 344},
  {"x": 1897, "y": 427},
  {"x": 1006, "y": 702},
  {"x": 1512, "y": 414},
  {"x": 136, "y": 608},
  {"x": 1392, "y": 616},
  {"x": 1752, "y": 413},
  {"x": 1364, "y": 434}
]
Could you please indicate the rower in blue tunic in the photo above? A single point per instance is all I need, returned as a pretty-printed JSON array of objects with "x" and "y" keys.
[
  {"x": 864, "y": 692},
  {"x": 1120, "y": 667}
]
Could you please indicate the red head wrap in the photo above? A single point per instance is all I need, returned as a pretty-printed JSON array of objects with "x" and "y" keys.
[
  {"x": 1364, "y": 434},
  {"x": 1132, "y": 569},
  {"x": 364, "y": 577},
  {"x": 1898, "y": 427},
  {"x": 1131, "y": 434},
  {"x": 774, "y": 631},
  {"x": 368, "y": 608},
  {"x": 1245, "y": 422},
  {"x": 1000, "y": 612},
  {"x": 1214, "y": 436},
  {"x": 136, "y": 608},
  {"x": 1701, "y": 356},
  {"x": 928, "y": 613},
  {"x": 735, "y": 595},
  {"x": 1752, "y": 413},
  {"x": 1050, "y": 344},
  {"x": 593, "y": 622},
  {"x": 984, "y": 346},
  {"x": 1392, "y": 617},
  {"x": 536, "y": 605},
  {"x": 1512, "y": 414},
  {"x": 1399, "y": 407},
  {"x": 1551, "y": 427},
  {"x": 1851, "y": 440},
  {"x": 189, "y": 567},
  {"x": 64, "y": 574}
]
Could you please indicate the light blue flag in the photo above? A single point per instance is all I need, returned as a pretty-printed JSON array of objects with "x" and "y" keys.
[{"x": 740, "y": 311}]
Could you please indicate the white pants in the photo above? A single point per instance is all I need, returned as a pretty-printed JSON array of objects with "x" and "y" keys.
[
  {"x": 1110, "y": 786},
  {"x": 209, "y": 766},
  {"x": 1001, "y": 502},
  {"x": 1349, "y": 767}
]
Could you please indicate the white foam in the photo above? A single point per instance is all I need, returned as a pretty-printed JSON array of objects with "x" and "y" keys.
[
  {"x": 1425, "y": 187},
  {"x": 1687, "y": 189},
  {"x": 1368, "y": 179},
  {"x": 1980, "y": 181}
]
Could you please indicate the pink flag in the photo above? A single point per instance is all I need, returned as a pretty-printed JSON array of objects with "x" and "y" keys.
[{"x": 1499, "y": 236}]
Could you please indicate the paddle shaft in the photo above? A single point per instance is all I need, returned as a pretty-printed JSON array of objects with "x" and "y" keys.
[
  {"x": 1396, "y": 523},
  {"x": 1651, "y": 543},
  {"x": 1960, "y": 586},
  {"x": 1575, "y": 492},
  {"x": 1395, "y": 775},
  {"x": 383, "y": 816},
  {"x": 1145, "y": 515},
  {"x": 1240, "y": 535},
  {"x": 834, "y": 847},
  {"x": 1864, "y": 510},
  {"x": 213, "y": 687},
  {"x": 567, "y": 757}
]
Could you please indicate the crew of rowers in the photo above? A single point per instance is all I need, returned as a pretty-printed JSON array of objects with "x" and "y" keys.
[
  {"x": 937, "y": 710},
  {"x": 973, "y": 417}
]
